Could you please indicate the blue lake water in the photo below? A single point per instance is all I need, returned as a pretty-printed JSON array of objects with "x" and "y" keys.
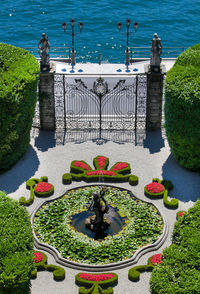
[{"x": 176, "y": 22}]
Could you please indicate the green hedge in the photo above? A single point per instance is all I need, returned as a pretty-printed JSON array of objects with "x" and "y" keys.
[
  {"x": 16, "y": 247},
  {"x": 182, "y": 108},
  {"x": 180, "y": 269},
  {"x": 58, "y": 272},
  {"x": 18, "y": 85}
]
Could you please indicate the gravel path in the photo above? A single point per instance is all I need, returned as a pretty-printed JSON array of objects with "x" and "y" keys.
[{"x": 152, "y": 159}]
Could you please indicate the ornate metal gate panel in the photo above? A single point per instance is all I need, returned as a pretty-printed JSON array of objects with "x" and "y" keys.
[{"x": 122, "y": 108}]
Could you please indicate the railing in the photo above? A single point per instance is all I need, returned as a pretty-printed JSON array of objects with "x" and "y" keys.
[
  {"x": 145, "y": 52},
  {"x": 55, "y": 52},
  {"x": 136, "y": 54}
]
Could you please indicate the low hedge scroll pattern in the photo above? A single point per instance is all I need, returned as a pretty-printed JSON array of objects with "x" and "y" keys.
[
  {"x": 157, "y": 192},
  {"x": 134, "y": 273},
  {"x": 38, "y": 187},
  {"x": 40, "y": 262},
  {"x": 82, "y": 171},
  {"x": 96, "y": 283}
]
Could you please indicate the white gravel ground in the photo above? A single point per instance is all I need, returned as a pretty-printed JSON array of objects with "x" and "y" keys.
[{"x": 153, "y": 159}]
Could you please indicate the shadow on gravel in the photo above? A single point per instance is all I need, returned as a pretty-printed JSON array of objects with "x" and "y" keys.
[
  {"x": 154, "y": 141},
  {"x": 45, "y": 140},
  {"x": 23, "y": 170},
  {"x": 186, "y": 183}
]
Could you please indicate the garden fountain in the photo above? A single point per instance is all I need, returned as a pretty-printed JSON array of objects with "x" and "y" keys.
[{"x": 97, "y": 223}]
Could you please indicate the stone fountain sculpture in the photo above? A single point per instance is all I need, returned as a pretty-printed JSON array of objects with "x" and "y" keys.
[{"x": 98, "y": 223}]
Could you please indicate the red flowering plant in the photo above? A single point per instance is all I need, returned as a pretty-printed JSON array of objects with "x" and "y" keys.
[
  {"x": 38, "y": 257},
  {"x": 154, "y": 189},
  {"x": 81, "y": 170},
  {"x": 39, "y": 187},
  {"x": 96, "y": 281},
  {"x": 180, "y": 214},
  {"x": 159, "y": 189},
  {"x": 156, "y": 259},
  {"x": 42, "y": 188}
]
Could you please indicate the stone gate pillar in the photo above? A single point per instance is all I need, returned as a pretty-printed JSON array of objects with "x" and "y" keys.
[
  {"x": 154, "y": 100},
  {"x": 46, "y": 101}
]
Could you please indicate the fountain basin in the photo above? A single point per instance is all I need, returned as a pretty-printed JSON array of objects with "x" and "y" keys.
[{"x": 81, "y": 252}]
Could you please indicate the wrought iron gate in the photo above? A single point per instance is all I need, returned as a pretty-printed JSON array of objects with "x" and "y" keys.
[{"x": 79, "y": 108}]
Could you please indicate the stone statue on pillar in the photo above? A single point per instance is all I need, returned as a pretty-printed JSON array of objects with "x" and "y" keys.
[
  {"x": 156, "y": 51},
  {"x": 44, "y": 48}
]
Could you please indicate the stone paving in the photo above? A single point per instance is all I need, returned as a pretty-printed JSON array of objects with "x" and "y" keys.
[{"x": 151, "y": 159}]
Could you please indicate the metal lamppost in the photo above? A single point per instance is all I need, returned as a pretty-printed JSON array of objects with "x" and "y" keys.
[
  {"x": 64, "y": 26},
  {"x": 119, "y": 25}
]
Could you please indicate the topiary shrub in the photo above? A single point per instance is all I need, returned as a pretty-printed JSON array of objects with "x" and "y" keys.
[
  {"x": 159, "y": 189},
  {"x": 39, "y": 187},
  {"x": 18, "y": 92},
  {"x": 182, "y": 108},
  {"x": 81, "y": 170},
  {"x": 40, "y": 262},
  {"x": 180, "y": 268},
  {"x": 16, "y": 247},
  {"x": 96, "y": 282}
]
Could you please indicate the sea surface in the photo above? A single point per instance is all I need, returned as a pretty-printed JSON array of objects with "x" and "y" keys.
[{"x": 23, "y": 21}]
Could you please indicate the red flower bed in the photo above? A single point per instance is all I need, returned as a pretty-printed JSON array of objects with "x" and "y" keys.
[
  {"x": 181, "y": 213},
  {"x": 101, "y": 160},
  {"x": 119, "y": 166},
  {"x": 101, "y": 172},
  {"x": 82, "y": 165},
  {"x": 96, "y": 278},
  {"x": 38, "y": 257},
  {"x": 156, "y": 259},
  {"x": 43, "y": 187},
  {"x": 155, "y": 187}
]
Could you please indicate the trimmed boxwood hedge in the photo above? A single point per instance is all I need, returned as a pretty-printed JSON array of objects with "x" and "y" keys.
[
  {"x": 18, "y": 92},
  {"x": 30, "y": 185},
  {"x": 96, "y": 287},
  {"x": 16, "y": 247},
  {"x": 180, "y": 269},
  {"x": 182, "y": 108},
  {"x": 78, "y": 173},
  {"x": 173, "y": 203},
  {"x": 58, "y": 272}
]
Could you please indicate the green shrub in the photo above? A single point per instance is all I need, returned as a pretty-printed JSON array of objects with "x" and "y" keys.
[
  {"x": 67, "y": 179},
  {"x": 134, "y": 272},
  {"x": 182, "y": 108},
  {"x": 16, "y": 247},
  {"x": 180, "y": 269},
  {"x": 18, "y": 85},
  {"x": 133, "y": 180},
  {"x": 30, "y": 185},
  {"x": 58, "y": 272}
]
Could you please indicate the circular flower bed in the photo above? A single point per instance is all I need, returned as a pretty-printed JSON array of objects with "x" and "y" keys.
[
  {"x": 44, "y": 189},
  {"x": 52, "y": 226},
  {"x": 156, "y": 259},
  {"x": 155, "y": 187},
  {"x": 38, "y": 257}
]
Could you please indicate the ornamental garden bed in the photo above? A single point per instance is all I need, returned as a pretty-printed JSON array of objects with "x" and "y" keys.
[{"x": 52, "y": 226}]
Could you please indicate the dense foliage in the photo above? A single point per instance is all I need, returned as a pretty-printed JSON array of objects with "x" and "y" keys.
[
  {"x": 180, "y": 269},
  {"x": 16, "y": 247},
  {"x": 18, "y": 84},
  {"x": 52, "y": 225},
  {"x": 182, "y": 108}
]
